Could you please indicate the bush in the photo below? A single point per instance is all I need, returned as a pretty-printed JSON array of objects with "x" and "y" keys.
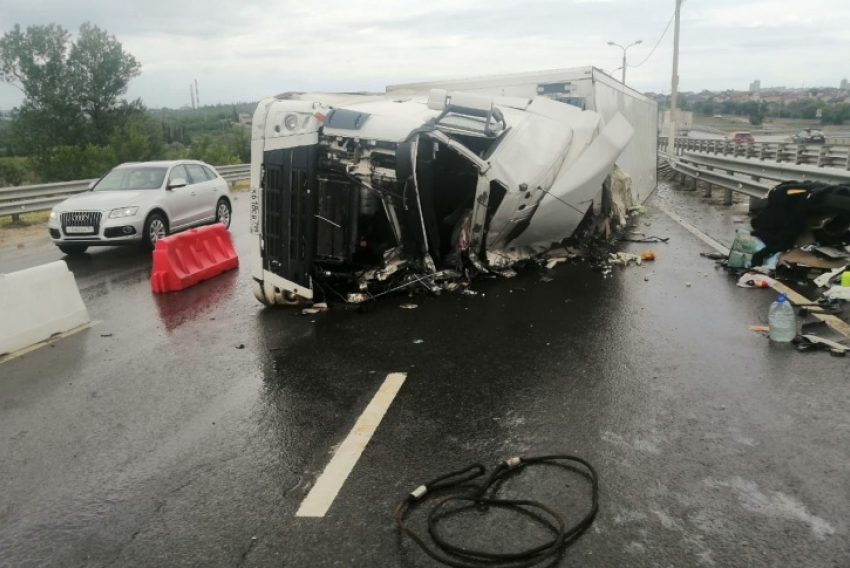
[{"x": 17, "y": 171}]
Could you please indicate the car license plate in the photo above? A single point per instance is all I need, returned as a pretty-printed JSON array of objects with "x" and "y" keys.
[{"x": 78, "y": 230}]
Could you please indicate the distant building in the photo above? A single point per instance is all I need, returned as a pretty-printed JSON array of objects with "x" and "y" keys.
[
  {"x": 844, "y": 85},
  {"x": 755, "y": 86},
  {"x": 244, "y": 118}
]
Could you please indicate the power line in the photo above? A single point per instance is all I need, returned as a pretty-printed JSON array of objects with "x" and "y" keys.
[{"x": 670, "y": 21}]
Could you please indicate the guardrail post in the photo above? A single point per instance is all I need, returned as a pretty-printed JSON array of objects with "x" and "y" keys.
[
  {"x": 707, "y": 191},
  {"x": 822, "y": 159},
  {"x": 15, "y": 217},
  {"x": 727, "y": 197}
]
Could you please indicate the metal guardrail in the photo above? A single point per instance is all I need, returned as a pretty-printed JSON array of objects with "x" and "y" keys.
[
  {"x": 745, "y": 175},
  {"x": 819, "y": 155},
  {"x": 28, "y": 198}
]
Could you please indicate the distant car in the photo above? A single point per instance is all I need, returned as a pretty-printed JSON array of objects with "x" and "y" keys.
[
  {"x": 809, "y": 136},
  {"x": 741, "y": 138},
  {"x": 140, "y": 203}
]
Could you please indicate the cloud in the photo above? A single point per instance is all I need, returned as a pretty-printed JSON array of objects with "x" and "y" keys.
[{"x": 254, "y": 48}]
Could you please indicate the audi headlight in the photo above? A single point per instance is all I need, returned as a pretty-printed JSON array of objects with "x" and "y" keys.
[
  {"x": 53, "y": 215},
  {"x": 290, "y": 122},
  {"x": 123, "y": 212}
]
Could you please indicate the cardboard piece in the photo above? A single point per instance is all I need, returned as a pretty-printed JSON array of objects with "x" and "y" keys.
[{"x": 802, "y": 259}]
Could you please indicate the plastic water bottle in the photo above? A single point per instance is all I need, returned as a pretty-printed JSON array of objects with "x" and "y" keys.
[{"x": 781, "y": 320}]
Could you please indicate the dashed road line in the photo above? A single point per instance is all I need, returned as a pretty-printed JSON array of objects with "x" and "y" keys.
[{"x": 327, "y": 487}]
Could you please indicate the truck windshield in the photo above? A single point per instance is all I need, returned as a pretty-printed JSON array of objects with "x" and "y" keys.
[{"x": 132, "y": 178}]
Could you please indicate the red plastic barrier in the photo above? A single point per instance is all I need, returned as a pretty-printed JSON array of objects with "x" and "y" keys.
[{"x": 184, "y": 259}]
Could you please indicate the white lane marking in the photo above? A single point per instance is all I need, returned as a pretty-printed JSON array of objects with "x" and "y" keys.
[
  {"x": 835, "y": 323},
  {"x": 699, "y": 234},
  {"x": 323, "y": 493},
  {"x": 48, "y": 341}
]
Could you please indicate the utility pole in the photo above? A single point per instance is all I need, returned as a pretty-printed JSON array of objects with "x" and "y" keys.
[
  {"x": 192, "y": 94},
  {"x": 197, "y": 95},
  {"x": 671, "y": 137}
]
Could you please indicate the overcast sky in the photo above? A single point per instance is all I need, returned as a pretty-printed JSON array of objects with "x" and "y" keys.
[{"x": 245, "y": 50}]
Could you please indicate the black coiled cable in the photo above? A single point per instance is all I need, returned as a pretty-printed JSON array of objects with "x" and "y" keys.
[{"x": 463, "y": 557}]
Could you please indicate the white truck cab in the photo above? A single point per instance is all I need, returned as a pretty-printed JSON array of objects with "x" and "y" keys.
[{"x": 353, "y": 196}]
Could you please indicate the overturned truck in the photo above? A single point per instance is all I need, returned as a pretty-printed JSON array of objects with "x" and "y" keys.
[{"x": 355, "y": 196}]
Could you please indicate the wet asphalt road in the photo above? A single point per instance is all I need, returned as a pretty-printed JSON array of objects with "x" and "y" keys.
[{"x": 153, "y": 439}]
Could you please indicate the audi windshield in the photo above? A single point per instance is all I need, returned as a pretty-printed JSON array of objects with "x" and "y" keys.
[{"x": 132, "y": 178}]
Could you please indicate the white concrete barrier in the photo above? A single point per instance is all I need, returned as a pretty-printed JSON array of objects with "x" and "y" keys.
[{"x": 38, "y": 303}]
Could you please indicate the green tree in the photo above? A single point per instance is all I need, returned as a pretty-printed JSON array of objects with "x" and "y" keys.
[
  {"x": 240, "y": 143},
  {"x": 72, "y": 89}
]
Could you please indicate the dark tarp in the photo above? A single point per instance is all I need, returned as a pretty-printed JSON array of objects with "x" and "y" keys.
[{"x": 796, "y": 206}]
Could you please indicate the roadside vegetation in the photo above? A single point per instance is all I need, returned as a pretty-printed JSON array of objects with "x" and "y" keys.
[
  {"x": 75, "y": 122},
  {"x": 816, "y": 112}
]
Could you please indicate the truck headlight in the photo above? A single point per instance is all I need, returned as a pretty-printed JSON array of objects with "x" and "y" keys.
[
  {"x": 290, "y": 122},
  {"x": 123, "y": 212}
]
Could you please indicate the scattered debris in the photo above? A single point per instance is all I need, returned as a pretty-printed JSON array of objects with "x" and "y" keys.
[
  {"x": 743, "y": 248},
  {"x": 838, "y": 293},
  {"x": 754, "y": 280},
  {"x": 546, "y": 279},
  {"x": 317, "y": 308},
  {"x": 825, "y": 279},
  {"x": 763, "y": 328},
  {"x": 646, "y": 278},
  {"x": 468, "y": 292},
  {"x": 687, "y": 284},
  {"x": 713, "y": 255},
  {"x": 624, "y": 258},
  {"x": 408, "y": 306},
  {"x": 647, "y": 240},
  {"x": 818, "y": 336},
  {"x": 240, "y": 346},
  {"x": 647, "y": 255},
  {"x": 106, "y": 335},
  {"x": 418, "y": 341}
]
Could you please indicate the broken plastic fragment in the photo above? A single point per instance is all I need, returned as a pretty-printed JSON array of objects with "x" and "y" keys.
[
  {"x": 468, "y": 292},
  {"x": 408, "y": 306},
  {"x": 417, "y": 341},
  {"x": 753, "y": 280},
  {"x": 624, "y": 258}
]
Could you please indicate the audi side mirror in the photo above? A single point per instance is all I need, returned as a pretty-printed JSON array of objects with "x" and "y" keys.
[{"x": 175, "y": 183}]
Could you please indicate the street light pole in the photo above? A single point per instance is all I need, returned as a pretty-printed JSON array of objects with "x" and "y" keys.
[
  {"x": 671, "y": 138},
  {"x": 623, "y": 81}
]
